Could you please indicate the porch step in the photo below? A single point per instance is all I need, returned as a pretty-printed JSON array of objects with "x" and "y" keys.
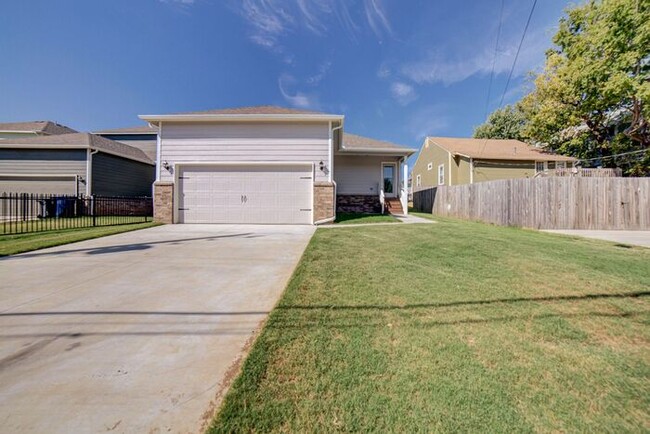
[{"x": 394, "y": 206}]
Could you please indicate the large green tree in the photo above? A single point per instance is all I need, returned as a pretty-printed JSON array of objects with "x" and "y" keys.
[
  {"x": 505, "y": 123},
  {"x": 593, "y": 97}
]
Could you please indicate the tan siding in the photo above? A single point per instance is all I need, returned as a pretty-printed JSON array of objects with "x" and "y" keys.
[
  {"x": 502, "y": 169},
  {"x": 245, "y": 142},
  {"x": 463, "y": 175},
  {"x": 430, "y": 153},
  {"x": 360, "y": 174}
]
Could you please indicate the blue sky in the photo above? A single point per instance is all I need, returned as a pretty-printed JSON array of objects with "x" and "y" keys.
[{"x": 398, "y": 69}]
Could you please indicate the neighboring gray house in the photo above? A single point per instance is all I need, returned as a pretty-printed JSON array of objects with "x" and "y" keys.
[
  {"x": 271, "y": 165},
  {"x": 17, "y": 130},
  {"x": 74, "y": 163},
  {"x": 143, "y": 137}
]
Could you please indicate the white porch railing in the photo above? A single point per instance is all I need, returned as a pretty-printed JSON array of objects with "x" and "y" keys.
[
  {"x": 404, "y": 200},
  {"x": 382, "y": 199}
]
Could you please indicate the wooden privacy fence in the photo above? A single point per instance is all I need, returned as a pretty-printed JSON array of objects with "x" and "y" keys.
[{"x": 545, "y": 203}]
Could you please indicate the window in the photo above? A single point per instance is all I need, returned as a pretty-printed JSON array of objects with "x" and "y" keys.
[
  {"x": 430, "y": 166},
  {"x": 560, "y": 165},
  {"x": 441, "y": 174},
  {"x": 540, "y": 167},
  {"x": 418, "y": 181}
]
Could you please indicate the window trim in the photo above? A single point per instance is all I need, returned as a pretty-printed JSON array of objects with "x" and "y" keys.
[
  {"x": 441, "y": 172},
  {"x": 430, "y": 166},
  {"x": 418, "y": 180}
]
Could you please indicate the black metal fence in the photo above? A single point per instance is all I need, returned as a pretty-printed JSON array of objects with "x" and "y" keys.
[{"x": 23, "y": 212}]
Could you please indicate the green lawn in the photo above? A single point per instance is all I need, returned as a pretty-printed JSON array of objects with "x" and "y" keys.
[
  {"x": 453, "y": 327},
  {"x": 346, "y": 218},
  {"x": 13, "y": 244}
]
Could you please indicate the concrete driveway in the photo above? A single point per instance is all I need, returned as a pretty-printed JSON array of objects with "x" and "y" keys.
[
  {"x": 135, "y": 332},
  {"x": 634, "y": 238}
]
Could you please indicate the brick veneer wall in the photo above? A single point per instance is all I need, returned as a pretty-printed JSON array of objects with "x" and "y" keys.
[
  {"x": 358, "y": 203},
  {"x": 323, "y": 200},
  {"x": 163, "y": 202}
]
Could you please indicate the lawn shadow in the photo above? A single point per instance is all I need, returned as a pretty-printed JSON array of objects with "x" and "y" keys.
[
  {"x": 125, "y": 247},
  {"x": 635, "y": 294}
]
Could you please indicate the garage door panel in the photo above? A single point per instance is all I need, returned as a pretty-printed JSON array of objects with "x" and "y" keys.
[{"x": 273, "y": 194}]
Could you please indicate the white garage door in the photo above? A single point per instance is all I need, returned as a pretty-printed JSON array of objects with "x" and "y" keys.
[{"x": 264, "y": 194}]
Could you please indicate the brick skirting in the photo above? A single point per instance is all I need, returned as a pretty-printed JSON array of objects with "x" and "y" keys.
[{"x": 362, "y": 203}]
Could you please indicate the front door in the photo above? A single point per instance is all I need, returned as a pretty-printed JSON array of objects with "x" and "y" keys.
[{"x": 389, "y": 175}]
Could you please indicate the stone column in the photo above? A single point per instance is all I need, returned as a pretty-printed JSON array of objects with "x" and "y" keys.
[
  {"x": 324, "y": 200},
  {"x": 163, "y": 202}
]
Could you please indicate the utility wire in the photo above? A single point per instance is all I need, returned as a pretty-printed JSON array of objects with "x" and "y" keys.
[
  {"x": 514, "y": 62},
  {"x": 494, "y": 60},
  {"x": 521, "y": 42}
]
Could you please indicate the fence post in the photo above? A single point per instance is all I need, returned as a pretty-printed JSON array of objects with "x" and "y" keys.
[{"x": 92, "y": 206}]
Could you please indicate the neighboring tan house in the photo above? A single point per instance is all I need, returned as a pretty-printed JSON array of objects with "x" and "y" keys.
[
  {"x": 454, "y": 161},
  {"x": 74, "y": 164},
  {"x": 270, "y": 165},
  {"x": 16, "y": 130},
  {"x": 142, "y": 137}
]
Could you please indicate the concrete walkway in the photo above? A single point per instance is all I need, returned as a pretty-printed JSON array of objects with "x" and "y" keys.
[
  {"x": 635, "y": 238},
  {"x": 407, "y": 219},
  {"x": 135, "y": 333}
]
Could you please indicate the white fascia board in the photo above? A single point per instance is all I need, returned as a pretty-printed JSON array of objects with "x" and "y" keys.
[
  {"x": 242, "y": 118},
  {"x": 375, "y": 151}
]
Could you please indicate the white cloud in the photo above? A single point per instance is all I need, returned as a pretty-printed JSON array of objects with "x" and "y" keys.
[
  {"x": 272, "y": 20},
  {"x": 427, "y": 121},
  {"x": 439, "y": 67},
  {"x": 384, "y": 71},
  {"x": 376, "y": 17},
  {"x": 323, "y": 70},
  {"x": 403, "y": 93},
  {"x": 179, "y": 2},
  {"x": 296, "y": 98}
]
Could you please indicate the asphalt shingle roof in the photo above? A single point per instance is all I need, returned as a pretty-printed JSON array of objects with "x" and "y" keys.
[
  {"x": 352, "y": 142},
  {"x": 41, "y": 127},
  {"x": 495, "y": 149}
]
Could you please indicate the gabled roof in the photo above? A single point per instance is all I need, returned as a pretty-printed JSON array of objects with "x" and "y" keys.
[
  {"x": 142, "y": 129},
  {"x": 78, "y": 141},
  {"x": 494, "y": 149},
  {"x": 243, "y": 114},
  {"x": 358, "y": 144},
  {"x": 37, "y": 127}
]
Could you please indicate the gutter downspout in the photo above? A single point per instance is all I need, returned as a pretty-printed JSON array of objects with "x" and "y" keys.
[
  {"x": 158, "y": 148},
  {"x": 331, "y": 174},
  {"x": 89, "y": 169}
]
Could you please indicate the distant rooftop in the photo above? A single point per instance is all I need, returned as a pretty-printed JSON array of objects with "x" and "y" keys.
[
  {"x": 37, "y": 127},
  {"x": 495, "y": 149},
  {"x": 354, "y": 143},
  {"x": 142, "y": 129},
  {"x": 79, "y": 140}
]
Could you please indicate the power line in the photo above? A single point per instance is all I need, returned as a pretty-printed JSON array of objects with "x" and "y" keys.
[
  {"x": 607, "y": 157},
  {"x": 521, "y": 42},
  {"x": 514, "y": 62},
  {"x": 494, "y": 60}
]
